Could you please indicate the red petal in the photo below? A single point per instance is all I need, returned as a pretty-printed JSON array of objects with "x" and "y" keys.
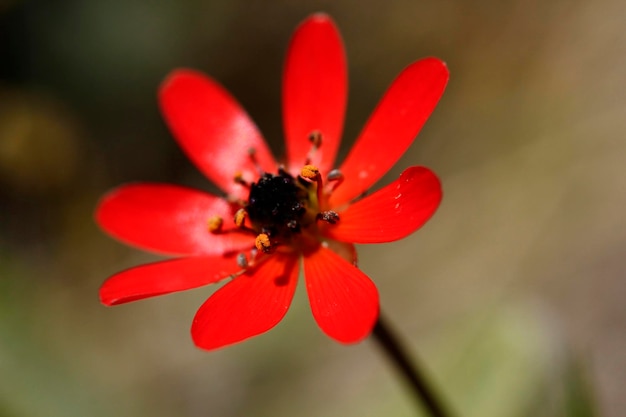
[
  {"x": 315, "y": 87},
  {"x": 249, "y": 305},
  {"x": 391, "y": 213},
  {"x": 393, "y": 126},
  {"x": 344, "y": 249},
  {"x": 165, "y": 277},
  {"x": 343, "y": 299},
  {"x": 169, "y": 219},
  {"x": 213, "y": 129}
]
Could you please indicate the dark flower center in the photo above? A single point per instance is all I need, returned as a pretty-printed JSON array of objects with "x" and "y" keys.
[{"x": 277, "y": 204}]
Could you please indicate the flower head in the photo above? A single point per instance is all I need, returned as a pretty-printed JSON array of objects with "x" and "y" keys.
[{"x": 275, "y": 216}]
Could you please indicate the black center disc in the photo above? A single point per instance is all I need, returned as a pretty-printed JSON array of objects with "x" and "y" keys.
[{"x": 275, "y": 204}]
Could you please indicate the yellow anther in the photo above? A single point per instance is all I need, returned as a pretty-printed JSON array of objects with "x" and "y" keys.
[
  {"x": 309, "y": 172},
  {"x": 263, "y": 243},
  {"x": 215, "y": 224},
  {"x": 240, "y": 217}
]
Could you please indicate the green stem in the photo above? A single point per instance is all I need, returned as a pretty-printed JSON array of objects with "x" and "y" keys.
[{"x": 422, "y": 390}]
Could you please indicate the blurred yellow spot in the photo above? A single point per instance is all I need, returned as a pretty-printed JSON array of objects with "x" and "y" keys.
[
  {"x": 240, "y": 217},
  {"x": 263, "y": 243},
  {"x": 215, "y": 224},
  {"x": 310, "y": 172}
]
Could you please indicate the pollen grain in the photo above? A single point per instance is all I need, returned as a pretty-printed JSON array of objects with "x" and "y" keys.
[
  {"x": 240, "y": 218},
  {"x": 310, "y": 172},
  {"x": 263, "y": 243},
  {"x": 215, "y": 224}
]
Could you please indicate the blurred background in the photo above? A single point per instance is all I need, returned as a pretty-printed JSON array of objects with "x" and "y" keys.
[{"x": 513, "y": 295}]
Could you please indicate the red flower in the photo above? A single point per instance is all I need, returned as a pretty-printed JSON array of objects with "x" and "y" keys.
[{"x": 274, "y": 216}]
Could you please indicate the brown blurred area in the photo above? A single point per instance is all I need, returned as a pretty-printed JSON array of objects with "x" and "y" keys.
[{"x": 518, "y": 275}]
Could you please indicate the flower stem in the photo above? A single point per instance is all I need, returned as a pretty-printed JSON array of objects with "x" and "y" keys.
[{"x": 422, "y": 391}]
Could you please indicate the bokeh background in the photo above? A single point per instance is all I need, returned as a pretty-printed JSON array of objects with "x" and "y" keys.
[{"x": 513, "y": 295}]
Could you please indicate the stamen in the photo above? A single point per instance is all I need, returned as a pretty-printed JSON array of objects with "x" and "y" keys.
[
  {"x": 328, "y": 216},
  {"x": 263, "y": 243},
  {"x": 255, "y": 162},
  {"x": 215, "y": 224},
  {"x": 315, "y": 137},
  {"x": 310, "y": 172},
  {"x": 282, "y": 171},
  {"x": 334, "y": 175},
  {"x": 335, "y": 178},
  {"x": 242, "y": 261},
  {"x": 240, "y": 218},
  {"x": 239, "y": 179}
]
